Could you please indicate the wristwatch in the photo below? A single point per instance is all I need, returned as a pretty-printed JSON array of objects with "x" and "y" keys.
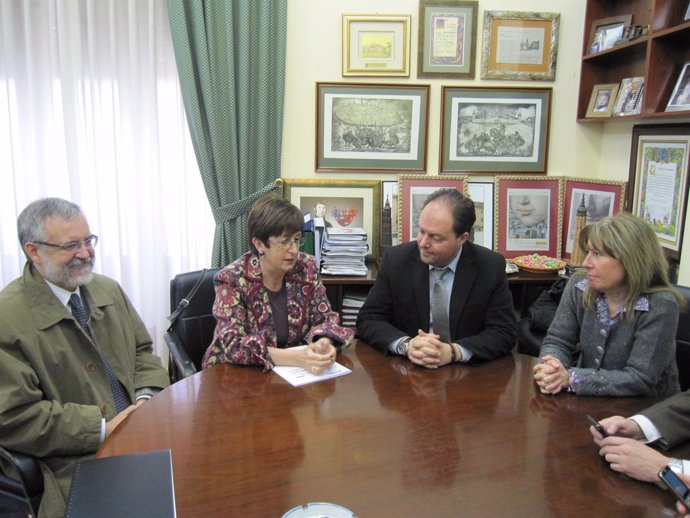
[
  {"x": 676, "y": 465},
  {"x": 403, "y": 345}
]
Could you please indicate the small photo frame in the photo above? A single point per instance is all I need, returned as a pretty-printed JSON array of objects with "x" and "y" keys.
[
  {"x": 447, "y": 39},
  {"x": 359, "y": 197},
  {"x": 630, "y": 97},
  {"x": 601, "y": 198},
  {"x": 371, "y": 128},
  {"x": 680, "y": 98},
  {"x": 658, "y": 182},
  {"x": 413, "y": 191},
  {"x": 520, "y": 45},
  {"x": 606, "y": 32},
  {"x": 376, "y": 45},
  {"x": 482, "y": 194},
  {"x": 602, "y": 100},
  {"x": 528, "y": 216}
]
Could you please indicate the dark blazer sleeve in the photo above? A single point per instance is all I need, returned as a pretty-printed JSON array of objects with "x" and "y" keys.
[
  {"x": 389, "y": 311},
  {"x": 482, "y": 317},
  {"x": 672, "y": 418}
]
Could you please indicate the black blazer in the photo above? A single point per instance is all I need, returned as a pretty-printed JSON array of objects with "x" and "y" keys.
[{"x": 481, "y": 314}]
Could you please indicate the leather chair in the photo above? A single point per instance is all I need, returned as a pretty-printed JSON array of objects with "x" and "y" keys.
[
  {"x": 192, "y": 327},
  {"x": 20, "y": 497},
  {"x": 683, "y": 340}
]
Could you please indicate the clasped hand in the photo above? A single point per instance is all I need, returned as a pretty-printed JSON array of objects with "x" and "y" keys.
[
  {"x": 427, "y": 350},
  {"x": 550, "y": 375},
  {"x": 318, "y": 356}
]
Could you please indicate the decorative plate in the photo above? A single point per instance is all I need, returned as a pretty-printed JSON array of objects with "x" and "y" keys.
[{"x": 535, "y": 263}]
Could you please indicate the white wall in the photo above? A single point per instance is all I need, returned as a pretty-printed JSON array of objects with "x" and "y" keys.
[{"x": 314, "y": 53}]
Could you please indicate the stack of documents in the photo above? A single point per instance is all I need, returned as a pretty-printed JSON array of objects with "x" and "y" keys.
[
  {"x": 352, "y": 302},
  {"x": 344, "y": 251}
]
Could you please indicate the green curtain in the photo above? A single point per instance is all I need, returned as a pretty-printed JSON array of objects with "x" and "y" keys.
[{"x": 231, "y": 61}]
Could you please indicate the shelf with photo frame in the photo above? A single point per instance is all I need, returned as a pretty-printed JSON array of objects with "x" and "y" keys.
[{"x": 659, "y": 55}]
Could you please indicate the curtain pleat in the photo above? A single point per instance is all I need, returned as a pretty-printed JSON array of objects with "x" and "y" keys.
[{"x": 231, "y": 62}]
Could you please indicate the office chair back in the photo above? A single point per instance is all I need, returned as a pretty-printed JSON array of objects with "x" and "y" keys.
[
  {"x": 683, "y": 340},
  {"x": 192, "y": 331}
]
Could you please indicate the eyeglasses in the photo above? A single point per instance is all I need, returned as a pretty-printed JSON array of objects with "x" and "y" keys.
[
  {"x": 285, "y": 244},
  {"x": 72, "y": 246}
]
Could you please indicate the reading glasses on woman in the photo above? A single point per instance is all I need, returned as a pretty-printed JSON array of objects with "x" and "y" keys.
[
  {"x": 285, "y": 244},
  {"x": 72, "y": 246}
]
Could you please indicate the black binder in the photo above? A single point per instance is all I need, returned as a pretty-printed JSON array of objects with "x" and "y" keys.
[{"x": 138, "y": 485}]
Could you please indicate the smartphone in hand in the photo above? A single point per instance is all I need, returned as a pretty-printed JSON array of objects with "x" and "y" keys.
[
  {"x": 597, "y": 426},
  {"x": 675, "y": 485}
]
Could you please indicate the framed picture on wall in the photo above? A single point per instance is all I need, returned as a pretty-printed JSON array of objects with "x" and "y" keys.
[
  {"x": 528, "y": 215},
  {"x": 658, "y": 182},
  {"x": 520, "y": 46},
  {"x": 601, "y": 198},
  {"x": 371, "y": 128},
  {"x": 376, "y": 45},
  {"x": 482, "y": 194},
  {"x": 412, "y": 191},
  {"x": 447, "y": 39},
  {"x": 349, "y": 203},
  {"x": 494, "y": 130}
]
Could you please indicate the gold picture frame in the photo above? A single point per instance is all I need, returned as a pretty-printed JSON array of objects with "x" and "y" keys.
[
  {"x": 364, "y": 194},
  {"x": 602, "y": 100},
  {"x": 520, "y": 45},
  {"x": 376, "y": 45}
]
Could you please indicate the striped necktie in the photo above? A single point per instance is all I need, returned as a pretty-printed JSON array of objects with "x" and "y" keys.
[{"x": 439, "y": 305}]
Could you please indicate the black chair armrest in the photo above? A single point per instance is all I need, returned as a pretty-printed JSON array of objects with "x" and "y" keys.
[
  {"x": 529, "y": 341},
  {"x": 30, "y": 484},
  {"x": 181, "y": 366}
]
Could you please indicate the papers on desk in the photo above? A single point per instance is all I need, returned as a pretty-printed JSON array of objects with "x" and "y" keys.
[{"x": 297, "y": 376}]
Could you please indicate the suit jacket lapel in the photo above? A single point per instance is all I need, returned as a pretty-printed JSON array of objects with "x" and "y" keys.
[
  {"x": 465, "y": 277},
  {"x": 420, "y": 282}
]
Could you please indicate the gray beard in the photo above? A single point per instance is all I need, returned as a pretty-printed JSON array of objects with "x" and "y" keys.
[{"x": 63, "y": 276}]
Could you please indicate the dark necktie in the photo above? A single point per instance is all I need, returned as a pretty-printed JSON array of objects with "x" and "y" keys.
[
  {"x": 120, "y": 396},
  {"x": 439, "y": 305}
]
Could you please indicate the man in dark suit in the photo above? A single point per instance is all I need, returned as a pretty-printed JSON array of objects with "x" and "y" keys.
[
  {"x": 441, "y": 299},
  {"x": 666, "y": 424}
]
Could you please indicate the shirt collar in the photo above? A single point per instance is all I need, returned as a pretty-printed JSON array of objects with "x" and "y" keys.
[
  {"x": 453, "y": 265},
  {"x": 642, "y": 303},
  {"x": 61, "y": 293}
]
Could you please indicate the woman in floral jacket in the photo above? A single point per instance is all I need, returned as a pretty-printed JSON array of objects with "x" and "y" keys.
[{"x": 272, "y": 298}]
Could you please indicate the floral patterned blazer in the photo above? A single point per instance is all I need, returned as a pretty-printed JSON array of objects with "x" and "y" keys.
[{"x": 244, "y": 321}]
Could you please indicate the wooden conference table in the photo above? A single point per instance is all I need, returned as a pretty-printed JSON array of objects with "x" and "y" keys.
[{"x": 388, "y": 440}]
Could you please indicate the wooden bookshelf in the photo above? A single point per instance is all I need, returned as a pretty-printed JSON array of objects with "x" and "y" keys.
[{"x": 658, "y": 56}]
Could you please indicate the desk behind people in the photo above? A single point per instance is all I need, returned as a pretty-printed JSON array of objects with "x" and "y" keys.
[{"x": 390, "y": 439}]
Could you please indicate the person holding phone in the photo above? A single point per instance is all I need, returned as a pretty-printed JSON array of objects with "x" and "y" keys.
[
  {"x": 614, "y": 331},
  {"x": 683, "y": 509},
  {"x": 626, "y": 449}
]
